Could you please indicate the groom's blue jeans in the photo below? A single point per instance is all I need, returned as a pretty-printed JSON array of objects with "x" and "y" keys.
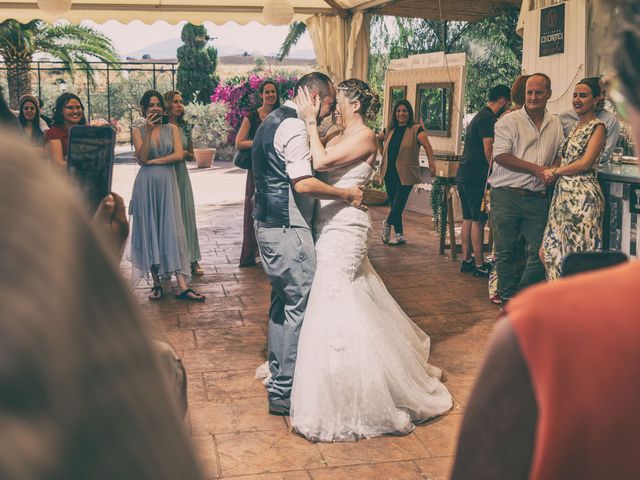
[{"x": 289, "y": 260}]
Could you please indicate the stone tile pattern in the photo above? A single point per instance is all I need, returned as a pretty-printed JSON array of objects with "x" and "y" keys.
[{"x": 223, "y": 341}]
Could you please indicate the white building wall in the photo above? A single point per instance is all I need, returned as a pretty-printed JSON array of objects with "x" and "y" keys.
[{"x": 564, "y": 69}]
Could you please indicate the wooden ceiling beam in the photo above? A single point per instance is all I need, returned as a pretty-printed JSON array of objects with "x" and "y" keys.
[{"x": 339, "y": 10}]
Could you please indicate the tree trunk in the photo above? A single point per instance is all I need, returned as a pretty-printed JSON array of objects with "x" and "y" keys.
[{"x": 19, "y": 79}]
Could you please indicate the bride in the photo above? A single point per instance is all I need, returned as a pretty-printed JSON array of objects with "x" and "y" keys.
[{"x": 362, "y": 368}]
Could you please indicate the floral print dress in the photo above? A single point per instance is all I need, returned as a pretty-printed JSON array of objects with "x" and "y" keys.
[{"x": 575, "y": 215}]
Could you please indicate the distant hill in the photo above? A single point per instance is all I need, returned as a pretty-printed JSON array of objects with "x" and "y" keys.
[{"x": 168, "y": 48}]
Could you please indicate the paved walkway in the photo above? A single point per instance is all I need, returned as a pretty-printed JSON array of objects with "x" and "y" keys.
[{"x": 223, "y": 341}]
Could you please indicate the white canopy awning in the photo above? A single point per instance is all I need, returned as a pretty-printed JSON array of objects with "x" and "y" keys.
[
  {"x": 244, "y": 11},
  {"x": 338, "y": 28}
]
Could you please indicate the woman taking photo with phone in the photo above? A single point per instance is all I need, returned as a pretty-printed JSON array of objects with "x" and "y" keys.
[
  {"x": 175, "y": 109},
  {"x": 30, "y": 121},
  {"x": 67, "y": 112},
  {"x": 402, "y": 141},
  {"x": 270, "y": 98},
  {"x": 158, "y": 240}
]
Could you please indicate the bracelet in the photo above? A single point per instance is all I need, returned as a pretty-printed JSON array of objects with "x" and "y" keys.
[{"x": 554, "y": 172}]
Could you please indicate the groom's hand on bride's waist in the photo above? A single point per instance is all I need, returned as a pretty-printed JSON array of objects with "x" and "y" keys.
[{"x": 356, "y": 197}]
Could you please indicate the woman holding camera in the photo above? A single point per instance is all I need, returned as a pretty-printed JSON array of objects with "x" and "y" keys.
[
  {"x": 175, "y": 109},
  {"x": 158, "y": 240},
  {"x": 268, "y": 91},
  {"x": 67, "y": 112}
]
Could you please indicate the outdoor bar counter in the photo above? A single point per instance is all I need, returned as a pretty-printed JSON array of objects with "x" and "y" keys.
[{"x": 621, "y": 187}]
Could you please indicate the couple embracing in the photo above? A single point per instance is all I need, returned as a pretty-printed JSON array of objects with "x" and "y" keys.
[{"x": 361, "y": 365}]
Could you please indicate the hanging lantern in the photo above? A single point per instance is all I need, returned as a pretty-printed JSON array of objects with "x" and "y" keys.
[
  {"x": 54, "y": 7},
  {"x": 278, "y": 12}
]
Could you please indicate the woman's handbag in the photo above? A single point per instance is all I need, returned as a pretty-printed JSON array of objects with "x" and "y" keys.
[{"x": 242, "y": 159}]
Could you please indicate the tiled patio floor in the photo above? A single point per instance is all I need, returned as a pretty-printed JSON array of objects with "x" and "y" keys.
[{"x": 223, "y": 341}]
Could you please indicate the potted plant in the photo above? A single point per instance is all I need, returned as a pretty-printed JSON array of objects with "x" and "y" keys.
[{"x": 210, "y": 131}]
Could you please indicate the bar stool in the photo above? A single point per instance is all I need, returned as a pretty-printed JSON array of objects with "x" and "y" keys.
[{"x": 447, "y": 219}]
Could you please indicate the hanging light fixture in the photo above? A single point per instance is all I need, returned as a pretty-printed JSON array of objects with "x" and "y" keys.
[
  {"x": 278, "y": 12},
  {"x": 54, "y": 7}
]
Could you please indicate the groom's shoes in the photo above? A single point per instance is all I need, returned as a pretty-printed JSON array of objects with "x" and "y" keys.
[{"x": 278, "y": 410}]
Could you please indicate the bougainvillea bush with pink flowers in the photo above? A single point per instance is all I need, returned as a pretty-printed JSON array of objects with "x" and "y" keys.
[{"x": 241, "y": 95}]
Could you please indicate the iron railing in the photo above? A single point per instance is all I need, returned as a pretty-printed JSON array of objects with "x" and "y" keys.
[{"x": 103, "y": 78}]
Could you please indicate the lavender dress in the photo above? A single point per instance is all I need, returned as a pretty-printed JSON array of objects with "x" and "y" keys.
[{"x": 158, "y": 234}]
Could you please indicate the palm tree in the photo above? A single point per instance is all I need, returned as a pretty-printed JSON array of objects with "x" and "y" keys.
[
  {"x": 71, "y": 44},
  {"x": 296, "y": 31}
]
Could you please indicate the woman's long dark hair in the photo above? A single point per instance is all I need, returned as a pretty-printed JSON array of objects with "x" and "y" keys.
[
  {"x": 261, "y": 90},
  {"x": 35, "y": 123},
  {"x": 58, "y": 109},
  {"x": 393, "y": 123},
  {"x": 146, "y": 100}
]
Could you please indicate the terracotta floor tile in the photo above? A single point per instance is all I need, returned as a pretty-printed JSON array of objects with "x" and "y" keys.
[
  {"x": 389, "y": 448},
  {"x": 440, "y": 436},
  {"x": 436, "y": 468},
  {"x": 195, "y": 388},
  {"x": 266, "y": 452},
  {"x": 372, "y": 471},
  {"x": 233, "y": 416},
  {"x": 181, "y": 339},
  {"x": 230, "y": 337},
  {"x": 214, "y": 318},
  {"x": 297, "y": 475},
  {"x": 242, "y": 358},
  {"x": 233, "y": 384},
  {"x": 206, "y": 451},
  {"x": 223, "y": 340}
]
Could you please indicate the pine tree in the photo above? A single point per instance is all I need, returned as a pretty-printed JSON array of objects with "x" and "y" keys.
[{"x": 197, "y": 77}]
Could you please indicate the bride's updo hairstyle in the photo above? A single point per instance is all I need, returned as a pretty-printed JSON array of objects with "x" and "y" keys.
[{"x": 357, "y": 90}]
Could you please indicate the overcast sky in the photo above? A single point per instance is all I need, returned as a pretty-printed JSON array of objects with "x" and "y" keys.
[{"x": 250, "y": 37}]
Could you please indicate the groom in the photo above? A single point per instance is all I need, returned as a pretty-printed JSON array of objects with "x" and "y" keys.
[{"x": 285, "y": 192}]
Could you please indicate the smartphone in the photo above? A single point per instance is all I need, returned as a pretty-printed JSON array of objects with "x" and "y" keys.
[
  {"x": 587, "y": 261},
  {"x": 90, "y": 161},
  {"x": 161, "y": 119}
]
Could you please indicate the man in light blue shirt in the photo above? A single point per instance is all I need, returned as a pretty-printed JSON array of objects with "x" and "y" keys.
[{"x": 569, "y": 118}]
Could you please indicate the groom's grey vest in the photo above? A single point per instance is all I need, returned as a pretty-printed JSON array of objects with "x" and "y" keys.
[{"x": 277, "y": 205}]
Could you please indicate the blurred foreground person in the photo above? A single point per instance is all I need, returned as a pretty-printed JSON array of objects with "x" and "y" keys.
[
  {"x": 81, "y": 394},
  {"x": 557, "y": 396}
]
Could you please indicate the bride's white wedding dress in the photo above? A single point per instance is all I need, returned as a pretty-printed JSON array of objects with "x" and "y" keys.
[{"x": 362, "y": 368}]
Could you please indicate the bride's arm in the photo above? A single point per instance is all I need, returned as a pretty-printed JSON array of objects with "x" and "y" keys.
[{"x": 352, "y": 148}]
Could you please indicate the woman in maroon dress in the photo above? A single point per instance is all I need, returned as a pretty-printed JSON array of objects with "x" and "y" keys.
[
  {"x": 67, "y": 113},
  {"x": 244, "y": 140}
]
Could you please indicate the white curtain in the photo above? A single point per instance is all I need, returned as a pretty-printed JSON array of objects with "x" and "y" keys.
[{"x": 341, "y": 45}]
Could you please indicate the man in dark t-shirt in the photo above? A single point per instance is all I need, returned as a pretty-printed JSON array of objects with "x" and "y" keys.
[{"x": 471, "y": 179}]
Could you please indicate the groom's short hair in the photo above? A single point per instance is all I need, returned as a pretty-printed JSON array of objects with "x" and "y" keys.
[{"x": 314, "y": 81}]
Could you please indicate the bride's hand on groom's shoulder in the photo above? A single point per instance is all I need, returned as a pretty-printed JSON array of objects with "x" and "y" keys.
[{"x": 309, "y": 105}]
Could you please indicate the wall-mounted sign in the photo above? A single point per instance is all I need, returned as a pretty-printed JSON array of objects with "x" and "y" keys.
[{"x": 552, "y": 30}]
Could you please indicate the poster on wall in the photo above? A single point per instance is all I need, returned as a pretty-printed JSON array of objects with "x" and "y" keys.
[{"x": 552, "y": 30}]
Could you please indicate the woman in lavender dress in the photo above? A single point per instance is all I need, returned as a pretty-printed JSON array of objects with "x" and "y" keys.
[{"x": 158, "y": 243}]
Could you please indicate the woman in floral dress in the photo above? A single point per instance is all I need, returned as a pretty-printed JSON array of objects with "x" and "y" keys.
[{"x": 575, "y": 215}]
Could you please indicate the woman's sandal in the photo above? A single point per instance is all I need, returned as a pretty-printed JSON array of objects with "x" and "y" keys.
[
  {"x": 156, "y": 293},
  {"x": 189, "y": 294},
  {"x": 196, "y": 269}
]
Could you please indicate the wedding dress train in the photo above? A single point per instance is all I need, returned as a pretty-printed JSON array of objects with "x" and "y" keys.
[{"x": 362, "y": 368}]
